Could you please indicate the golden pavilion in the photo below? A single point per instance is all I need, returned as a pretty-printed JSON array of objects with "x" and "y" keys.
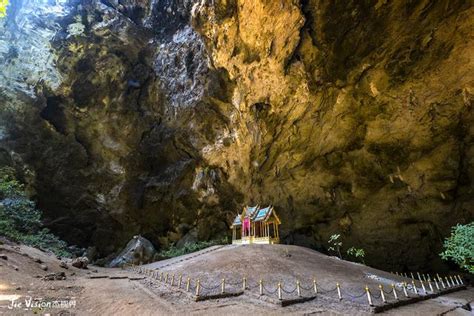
[{"x": 256, "y": 226}]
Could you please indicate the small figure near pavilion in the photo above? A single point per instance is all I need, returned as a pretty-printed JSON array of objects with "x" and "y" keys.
[{"x": 256, "y": 226}]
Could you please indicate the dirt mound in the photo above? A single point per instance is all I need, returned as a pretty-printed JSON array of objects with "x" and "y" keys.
[{"x": 287, "y": 264}]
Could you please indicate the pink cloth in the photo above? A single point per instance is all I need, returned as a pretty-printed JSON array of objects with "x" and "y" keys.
[{"x": 246, "y": 226}]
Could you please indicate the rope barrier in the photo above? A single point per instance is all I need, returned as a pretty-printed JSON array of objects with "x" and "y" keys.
[
  {"x": 327, "y": 291},
  {"x": 267, "y": 290},
  {"x": 226, "y": 286},
  {"x": 353, "y": 296},
  {"x": 288, "y": 291}
]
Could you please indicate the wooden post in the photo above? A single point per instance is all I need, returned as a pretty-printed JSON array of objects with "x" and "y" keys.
[
  {"x": 166, "y": 277},
  {"x": 172, "y": 280},
  {"x": 188, "y": 283},
  {"x": 279, "y": 290},
  {"x": 223, "y": 286},
  {"x": 298, "y": 290},
  {"x": 161, "y": 276},
  {"x": 382, "y": 294},
  {"x": 394, "y": 291},
  {"x": 198, "y": 287},
  {"x": 339, "y": 291},
  {"x": 436, "y": 283},
  {"x": 369, "y": 298},
  {"x": 460, "y": 280},
  {"x": 179, "y": 280},
  {"x": 261, "y": 286}
]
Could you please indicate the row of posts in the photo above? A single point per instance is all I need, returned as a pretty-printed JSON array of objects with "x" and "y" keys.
[{"x": 451, "y": 282}]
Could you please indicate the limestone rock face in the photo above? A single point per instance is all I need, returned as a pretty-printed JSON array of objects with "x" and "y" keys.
[{"x": 149, "y": 116}]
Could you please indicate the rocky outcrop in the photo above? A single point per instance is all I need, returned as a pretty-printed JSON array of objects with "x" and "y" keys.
[
  {"x": 138, "y": 251},
  {"x": 146, "y": 117}
]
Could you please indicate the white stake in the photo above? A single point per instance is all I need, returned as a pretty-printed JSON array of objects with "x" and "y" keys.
[
  {"x": 369, "y": 298},
  {"x": 315, "y": 286},
  {"x": 339, "y": 291},
  {"x": 279, "y": 290},
  {"x": 452, "y": 281},
  {"x": 382, "y": 294},
  {"x": 198, "y": 287},
  {"x": 447, "y": 282},
  {"x": 423, "y": 286},
  {"x": 414, "y": 287},
  {"x": 405, "y": 289},
  {"x": 394, "y": 292},
  {"x": 441, "y": 280},
  {"x": 298, "y": 288}
]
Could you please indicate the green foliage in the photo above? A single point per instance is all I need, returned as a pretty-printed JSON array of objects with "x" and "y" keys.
[
  {"x": 359, "y": 253},
  {"x": 3, "y": 8},
  {"x": 335, "y": 244},
  {"x": 459, "y": 247},
  {"x": 190, "y": 247},
  {"x": 20, "y": 220}
]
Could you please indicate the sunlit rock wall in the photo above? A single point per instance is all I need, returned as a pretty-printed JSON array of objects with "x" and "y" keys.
[{"x": 157, "y": 117}]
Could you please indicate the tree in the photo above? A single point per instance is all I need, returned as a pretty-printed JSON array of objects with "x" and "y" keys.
[
  {"x": 459, "y": 247},
  {"x": 3, "y": 8}
]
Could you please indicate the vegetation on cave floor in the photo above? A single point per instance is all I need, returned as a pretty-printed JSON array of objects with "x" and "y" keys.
[
  {"x": 20, "y": 220},
  {"x": 459, "y": 247}
]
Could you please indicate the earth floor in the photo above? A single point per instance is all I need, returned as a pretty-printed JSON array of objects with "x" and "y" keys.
[{"x": 107, "y": 291}]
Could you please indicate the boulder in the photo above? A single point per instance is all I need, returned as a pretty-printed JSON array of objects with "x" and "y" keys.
[
  {"x": 80, "y": 262},
  {"x": 55, "y": 276},
  {"x": 191, "y": 237},
  {"x": 138, "y": 250}
]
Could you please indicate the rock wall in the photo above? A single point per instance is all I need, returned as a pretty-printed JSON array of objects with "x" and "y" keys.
[{"x": 163, "y": 116}]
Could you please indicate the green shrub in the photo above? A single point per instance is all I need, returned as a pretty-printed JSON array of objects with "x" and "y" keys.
[
  {"x": 20, "y": 220},
  {"x": 359, "y": 253},
  {"x": 173, "y": 251},
  {"x": 459, "y": 247}
]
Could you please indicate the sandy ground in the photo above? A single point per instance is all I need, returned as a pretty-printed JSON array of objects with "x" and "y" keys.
[{"x": 104, "y": 291}]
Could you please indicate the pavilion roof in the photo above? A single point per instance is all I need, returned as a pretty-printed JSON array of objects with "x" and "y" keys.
[
  {"x": 263, "y": 214},
  {"x": 237, "y": 220}
]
